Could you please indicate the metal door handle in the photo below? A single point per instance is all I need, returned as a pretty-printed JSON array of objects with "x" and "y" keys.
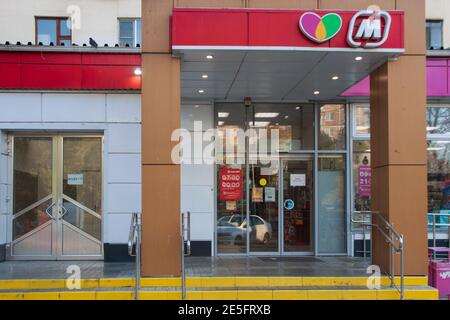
[
  {"x": 48, "y": 209},
  {"x": 64, "y": 213}
]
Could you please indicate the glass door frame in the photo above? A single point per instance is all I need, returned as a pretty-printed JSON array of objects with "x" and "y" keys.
[
  {"x": 299, "y": 156},
  {"x": 57, "y": 184}
]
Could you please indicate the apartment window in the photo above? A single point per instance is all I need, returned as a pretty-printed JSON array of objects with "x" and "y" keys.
[
  {"x": 434, "y": 34},
  {"x": 53, "y": 30},
  {"x": 130, "y": 31}
]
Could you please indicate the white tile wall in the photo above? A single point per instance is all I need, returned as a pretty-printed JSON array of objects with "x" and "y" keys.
[
  {"x": 124, "y": 168},
  {"x": 117, "y": 227},
  {"x": 124, "y": 138},
  {"x": 191, "y": 113},
  {"x": 3, "y": 224},
  {"x": 197, "y": 180},
  {"x": 123, "y": 198},
  {"x": 123, "y": 107},
  {"x": 73, "y": 107},
  {"x": 201, "y": 226},
  {"x": 197, "y": 175},
  {"x": 118, "y": 115},
  {"x": 20, "y": 107}
]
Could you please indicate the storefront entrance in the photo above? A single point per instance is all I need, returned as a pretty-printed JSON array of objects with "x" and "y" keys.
[
  {"x": 56, "y": 198},
  {"x": 295, "y": 200}
]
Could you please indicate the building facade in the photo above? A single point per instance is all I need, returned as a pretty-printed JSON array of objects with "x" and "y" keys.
[{"x": 120, "y": 127}]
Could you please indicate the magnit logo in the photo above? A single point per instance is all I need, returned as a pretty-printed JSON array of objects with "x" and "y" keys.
[{"x": 369, "y": 29}]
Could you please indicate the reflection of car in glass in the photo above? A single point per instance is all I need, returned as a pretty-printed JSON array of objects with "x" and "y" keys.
[{"x": 232, "y": 229}]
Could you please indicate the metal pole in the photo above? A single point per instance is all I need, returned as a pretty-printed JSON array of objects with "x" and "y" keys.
[
  {"x": 392, "y": 265},
  {"x": 138, "y": 256},
  {"x": 183, "y": 273},
  {"x": 402, "y": 275}
]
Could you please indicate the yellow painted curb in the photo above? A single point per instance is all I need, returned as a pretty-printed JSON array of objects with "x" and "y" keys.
[
  {"x": 384, "y": 294},
  {"x": 209, "y": 282}
]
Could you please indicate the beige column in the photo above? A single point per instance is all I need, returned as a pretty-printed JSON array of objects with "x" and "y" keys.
[
  {"x": 398, "y": 131},
  {"x": 161, "y": 247}
]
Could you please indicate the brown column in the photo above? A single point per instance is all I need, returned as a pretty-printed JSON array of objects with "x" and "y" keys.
[
  {"x": 161, "y": 247},
  {"x": 398, "y": 102}
]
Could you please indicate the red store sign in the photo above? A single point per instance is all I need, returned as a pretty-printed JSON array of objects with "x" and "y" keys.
[
  {"x": 266, "y": 29},
  {"x": 230, "y": 184}
]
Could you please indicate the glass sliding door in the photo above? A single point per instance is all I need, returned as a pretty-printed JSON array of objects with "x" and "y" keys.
[
  {"x": 332, "y": 222},
  {"x": 297, "y": 208},
  {"x": 263, "y": 207}
]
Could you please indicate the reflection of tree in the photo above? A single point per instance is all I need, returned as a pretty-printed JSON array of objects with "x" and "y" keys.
[
  {"x": 439, "y": 118},
  {"x": 438, "y": 173}
]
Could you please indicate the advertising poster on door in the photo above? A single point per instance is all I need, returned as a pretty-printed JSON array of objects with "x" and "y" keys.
[
  {"x": 230, "y": 184},
  {"x": 364, "y": 180}
]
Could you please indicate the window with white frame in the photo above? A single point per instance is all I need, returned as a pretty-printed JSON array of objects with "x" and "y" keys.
[{"x": 130, "y": 32}]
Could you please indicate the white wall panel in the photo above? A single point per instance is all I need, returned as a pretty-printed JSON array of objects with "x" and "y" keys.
[
  {"x": 202, "y": 226},
  {"x": 123, "y": 198},
  {"x": 74, "y": 108},
  {"x": 124, "y": 138},
  {"x": 191, "y": 113},
  {"x": 117, "y": 227},
  {"x": 3, "y": 224},
  {"x": 123, "y": 107},
  {"x": 124, "y": 168},
  {"x": 197, "y": 199},
  {"x": 197, "y": 175},
  {"x": 20, "y": 107}
]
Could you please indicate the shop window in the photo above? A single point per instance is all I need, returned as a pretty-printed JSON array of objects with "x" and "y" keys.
[
  {"x": 361, "y": 120},
  {"x": 438, "y": 175},
  {"x": 130, "y": 32},
  {"x": 56, "y": 31},
  {"x": 438, "y": 120},
  {"x": 434, "y": 34},
  {"x": 331, "y": 204},
  {"x": 361, "y": 175},
  {"x": 332, "y": 127}
]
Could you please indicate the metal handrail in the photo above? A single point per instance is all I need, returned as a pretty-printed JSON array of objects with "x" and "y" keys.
[
  {"x": 135, "y": 238},
  {"x": 391, "y": 236},
  {"x": 433, "y": 225},
  {"x": 185, "y": 230}
]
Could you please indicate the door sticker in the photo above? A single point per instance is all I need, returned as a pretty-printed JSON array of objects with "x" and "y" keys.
[
  {"x": 289, "y": 204},
  {"x": 75, "y": 179},
  {"x": 298, "y": 180}
]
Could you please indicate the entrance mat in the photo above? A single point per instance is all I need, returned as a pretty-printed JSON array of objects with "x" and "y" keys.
[{"x": 290, "y": 259}]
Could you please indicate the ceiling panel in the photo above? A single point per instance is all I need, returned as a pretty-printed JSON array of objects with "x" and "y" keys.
[{"x": 274, "y": 75}]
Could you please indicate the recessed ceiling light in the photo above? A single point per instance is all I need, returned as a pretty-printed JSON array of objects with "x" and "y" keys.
[
  {"x": 138, "y": 72},
  {"x": 209, "y": 57},
  {"x": 286, "y": 117},
  {"x": 358, "y": 58},
  {"x": 196, "y": 106},
  {"x": 260, "y": 124},
  {"x": 205, "y": 76},
  {"x": 335, "y": 78},
  {"x": 297, "y": 108},
  {"x": 223, "y": 114},
  {"x": 221, "y": 123},
  {"x": 316, "y": 93},
  {"x": 277, "y": 124},
  {"x": 201, "y": 91},
  {"x": 266, "y": 114}
]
